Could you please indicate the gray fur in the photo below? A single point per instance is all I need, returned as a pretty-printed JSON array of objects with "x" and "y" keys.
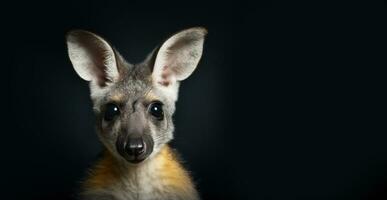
[{"x": 131, "y": 86}]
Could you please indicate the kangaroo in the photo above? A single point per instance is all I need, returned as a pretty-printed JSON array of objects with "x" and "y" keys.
[{"x": 134, "y": 105}]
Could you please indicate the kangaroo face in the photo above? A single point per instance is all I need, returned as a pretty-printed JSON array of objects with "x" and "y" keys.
[
  {"x": 134, "y": 118},
  {"x": 134, "y": 103}
]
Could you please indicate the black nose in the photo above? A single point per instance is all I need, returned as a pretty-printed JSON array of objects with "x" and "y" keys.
[{"x": 135, "y": 147}]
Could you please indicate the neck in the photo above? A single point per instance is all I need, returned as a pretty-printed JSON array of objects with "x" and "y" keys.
[
  {"x": 153, "y": 165},
  {"x": 162, "y": 172}
]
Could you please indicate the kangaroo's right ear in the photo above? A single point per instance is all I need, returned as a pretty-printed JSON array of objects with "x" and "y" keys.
[{"x": 92, "y": 57}]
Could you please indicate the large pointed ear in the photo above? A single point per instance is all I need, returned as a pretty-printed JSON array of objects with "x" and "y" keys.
[
  {"x": 178, "y": 57},
  {"x": 92, "y": 57}
]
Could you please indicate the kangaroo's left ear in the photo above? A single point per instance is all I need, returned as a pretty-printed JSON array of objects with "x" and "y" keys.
[{"x": 178, "y": 57}]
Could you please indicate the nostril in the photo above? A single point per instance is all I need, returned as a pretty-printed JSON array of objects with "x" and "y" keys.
[{"x": 135, "y": 147}]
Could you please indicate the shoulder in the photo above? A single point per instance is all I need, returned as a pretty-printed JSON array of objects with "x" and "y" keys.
[{"x": 175, "y": 178}]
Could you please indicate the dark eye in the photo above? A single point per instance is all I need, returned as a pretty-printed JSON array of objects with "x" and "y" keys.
[
  {"x": 111, "y": 111},
  {"x": 156, "y": 109}
]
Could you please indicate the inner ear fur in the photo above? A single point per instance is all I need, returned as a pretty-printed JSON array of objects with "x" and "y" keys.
[{"x": 178, "y": 56}]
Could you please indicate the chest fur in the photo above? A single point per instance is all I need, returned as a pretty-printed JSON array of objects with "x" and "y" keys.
[{"x": 161, "y": 177}]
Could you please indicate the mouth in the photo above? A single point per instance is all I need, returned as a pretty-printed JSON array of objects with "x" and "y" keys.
[{"x": 134, "y": 149}]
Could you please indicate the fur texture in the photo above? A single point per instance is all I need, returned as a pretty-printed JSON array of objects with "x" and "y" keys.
[
  {"x": 161, "y": 177},
  {"x": 133, "y": 89}
]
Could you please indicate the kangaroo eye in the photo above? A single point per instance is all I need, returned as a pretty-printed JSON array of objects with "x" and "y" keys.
[
  {"x": 156, "y": 109},
  {"x": 111, "y": 111}
]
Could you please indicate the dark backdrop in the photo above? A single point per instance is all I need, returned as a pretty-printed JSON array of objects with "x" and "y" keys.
[{"x": 265, "y": 116}]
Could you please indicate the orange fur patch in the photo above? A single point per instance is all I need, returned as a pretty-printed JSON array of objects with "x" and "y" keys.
[
  {"x": 170, "y": 173},
  {"x": 117, "y": 97},
  {"x": 150, "y": 96},
  {"x": 103, "y": 174}
]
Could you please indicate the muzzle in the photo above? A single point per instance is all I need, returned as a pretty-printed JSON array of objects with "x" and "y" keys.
[{"x": 134, "y": 149}]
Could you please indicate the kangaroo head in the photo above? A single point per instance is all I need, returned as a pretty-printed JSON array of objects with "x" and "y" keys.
[{"x": 134, "y": 103}]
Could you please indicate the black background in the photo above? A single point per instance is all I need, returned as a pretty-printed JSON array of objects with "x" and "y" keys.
[{"x": 265, "y": 116}]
